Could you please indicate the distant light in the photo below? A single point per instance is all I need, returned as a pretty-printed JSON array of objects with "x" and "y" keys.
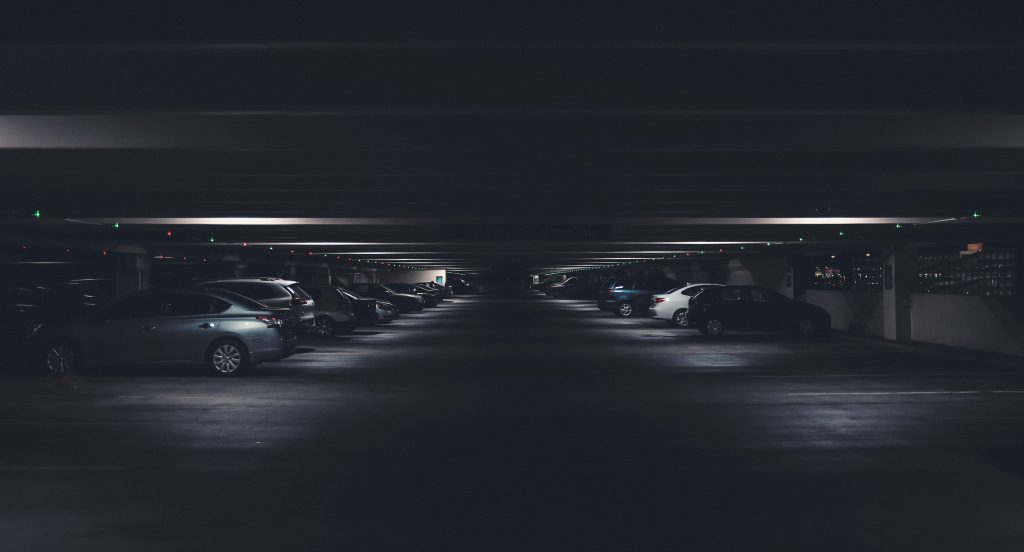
[
  {"x": 833, "y": 256},
  {"x": 37, "y": 213},
  {"x": 973, "y": 215},
  {"x": 246, "y": 244},
  {"x": 842, "y": 233},
  {"x": 169, "y": 233},
  {"x": 867, "y": 254},
  {"x": 117, "y": 225},
  {"x": 898, "y": 226},
  {"x": 211, "y": 239},
  {"x": 801, "y": 239}
]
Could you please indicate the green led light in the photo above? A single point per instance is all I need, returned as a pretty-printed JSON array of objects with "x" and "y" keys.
[
  {"x": 801, "y": 239},
  {"x": 37, "y": 213},
  {"x": 211, "y": 239},
  {"x": 117, "y": 225},
  {"x": 975, "y": 215},
  {"x": 842, "y": 233},
  {"x": 898, "y": 226}
]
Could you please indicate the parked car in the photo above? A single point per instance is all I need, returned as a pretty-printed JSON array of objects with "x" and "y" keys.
[
  {"x": 369, "y": 311},
  {"x": 629, "y": 295},
  {"x": 672, "y": 305},
  {"x": 717, "y": 309},
  {"x": 432, "y": 297},
  {"x": 404, "y": 301},
  {"x": 460, "y": 285},
  {"x": 333, "y": 313},
  {"x": 573, "y": 288},
  {"x": 227, "y": 332},
  {"x": 273, "y": 292},
  {"x": 445, "y": 290}
]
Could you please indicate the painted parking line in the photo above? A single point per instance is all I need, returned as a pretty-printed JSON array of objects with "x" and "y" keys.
[{"x": 873, "y": 393}]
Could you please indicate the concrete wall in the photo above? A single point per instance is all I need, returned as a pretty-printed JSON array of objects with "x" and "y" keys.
[
  {"x": 852, "y": 311},
  {"x": 993, "y": 324},
  {"x": 413, "y": 276}
]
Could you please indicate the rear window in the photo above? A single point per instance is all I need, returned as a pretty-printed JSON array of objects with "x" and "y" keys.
[
  {"x": 191, "y": 304},
  {"x": 298, "y": 291},
  {"x": 253, "y": 290}
]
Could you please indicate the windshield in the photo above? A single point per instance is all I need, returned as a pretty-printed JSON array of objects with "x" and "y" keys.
[{"x": 350, "y": 294}]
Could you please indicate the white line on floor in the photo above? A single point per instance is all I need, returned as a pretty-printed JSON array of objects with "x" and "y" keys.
[{"x": 940, "y": 392}]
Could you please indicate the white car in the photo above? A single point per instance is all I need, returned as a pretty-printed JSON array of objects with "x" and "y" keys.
[{"x": 672, "y": 305}]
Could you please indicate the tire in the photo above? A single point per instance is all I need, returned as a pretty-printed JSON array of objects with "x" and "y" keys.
[
  {"x": 678, "y": 319},
  {"x": 227, "y": 358},
  {"x": 625, "y": 309},
  {"x": 60, "y": 358},
  {"x": 323, "y": 326},
  {"x": 712, "y": 327}
]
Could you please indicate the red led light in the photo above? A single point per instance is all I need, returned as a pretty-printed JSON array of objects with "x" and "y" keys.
[{"x": 169, "y": 233}]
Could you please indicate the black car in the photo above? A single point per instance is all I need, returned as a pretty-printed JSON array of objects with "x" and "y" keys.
[
  {"x": 445, "y": 291},
  {"x": 404, "y": 301},
  {"x": 717, "y": 309},
  {"x": 460, "y": 285},
  {"x": 629, "y": 295},
  {"x": 432, "y": 297},
  {"x": 369, "y": 311},
  {"x": 574, "y": 288}
]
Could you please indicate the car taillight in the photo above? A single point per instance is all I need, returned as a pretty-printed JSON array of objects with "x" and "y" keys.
[
  {"x": 298, "y": 301},
  {"x": 660, "y": 299},
  {"x": 271, "y": 321}
]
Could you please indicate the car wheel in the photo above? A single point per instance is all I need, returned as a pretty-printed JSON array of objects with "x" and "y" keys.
[
  {"x": 624, "y": 309},
  {"x": 712, "y": 327},
  {"x": 59, "y": 359},
  {"x": 678, "y": 319},
  {"x": 323, "y": 326},
  {"x": 227, "y": 358}
]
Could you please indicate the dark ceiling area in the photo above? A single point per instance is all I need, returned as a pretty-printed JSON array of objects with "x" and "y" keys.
[{"x": 541, "y": 139}]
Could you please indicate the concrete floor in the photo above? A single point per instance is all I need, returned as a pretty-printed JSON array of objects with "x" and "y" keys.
[{"x": 508, "y": 421}]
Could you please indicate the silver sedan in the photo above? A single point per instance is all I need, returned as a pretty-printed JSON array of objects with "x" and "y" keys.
[{"x": 225, "y": 331}]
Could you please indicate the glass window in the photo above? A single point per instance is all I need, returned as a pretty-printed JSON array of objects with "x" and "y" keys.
[
  {"x": 298, "y": 291},
  {"x": 758, "y": 295},
  {"x": 140, "y": 306},
  {"x": 191, "y": 304},
  {"x": 731, "y": 294}
]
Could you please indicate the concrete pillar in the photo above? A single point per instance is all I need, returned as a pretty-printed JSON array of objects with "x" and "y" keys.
[
  {"x": 131, "y": 273},
  {"x": 899, "y": 276},
  {"x": 322, "y": 276}
]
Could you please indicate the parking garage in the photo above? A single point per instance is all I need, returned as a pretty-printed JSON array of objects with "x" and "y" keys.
[{"x": 537, "y": 282}]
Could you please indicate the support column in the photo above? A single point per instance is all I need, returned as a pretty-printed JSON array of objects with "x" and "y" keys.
[
  {"x": 322, "y": 276},
  {"x": 899, "y": 274},
  {"x": 131, "y": 273}
]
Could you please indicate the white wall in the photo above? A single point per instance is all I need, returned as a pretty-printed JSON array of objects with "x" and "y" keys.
[
  {"x": 413, "y": 276},
  {"x": 994, "y": 324},
  {"x": 851, "y": 311}
]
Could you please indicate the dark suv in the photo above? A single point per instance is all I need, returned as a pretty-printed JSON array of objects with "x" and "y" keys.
[{"x": 629, "y": 295}]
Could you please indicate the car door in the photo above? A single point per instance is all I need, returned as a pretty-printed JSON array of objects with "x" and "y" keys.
[
  {"x": 187, "y": 325},
  {"x": 125, "y": 332},
  {"x": 732, "y": 308},
  {"x": 768, "y": 310}
]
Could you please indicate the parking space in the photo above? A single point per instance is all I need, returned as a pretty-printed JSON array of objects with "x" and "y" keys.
[{"x": 496, "y": 420}]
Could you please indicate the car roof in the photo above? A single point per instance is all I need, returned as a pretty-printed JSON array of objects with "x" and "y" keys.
[{"x": 252, "y": 281}]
